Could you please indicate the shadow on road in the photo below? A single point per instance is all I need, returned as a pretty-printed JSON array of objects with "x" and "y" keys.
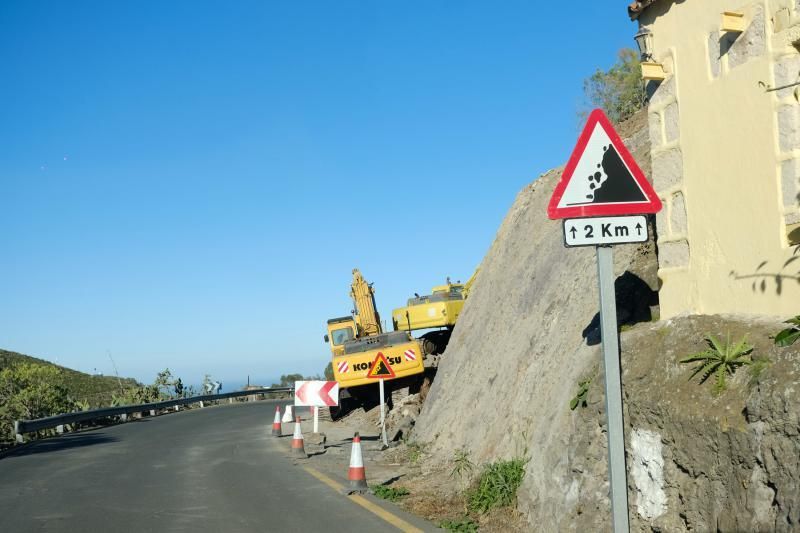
[{"x": 65, "y": 442}]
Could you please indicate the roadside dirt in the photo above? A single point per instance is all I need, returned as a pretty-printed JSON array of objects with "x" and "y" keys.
[{"x": 435, "y": 493}]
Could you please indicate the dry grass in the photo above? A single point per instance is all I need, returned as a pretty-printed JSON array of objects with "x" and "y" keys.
[{"x": 435, "y": 497}]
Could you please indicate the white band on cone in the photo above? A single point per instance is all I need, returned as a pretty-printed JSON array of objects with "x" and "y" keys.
[{"x": 355, "y": 456}]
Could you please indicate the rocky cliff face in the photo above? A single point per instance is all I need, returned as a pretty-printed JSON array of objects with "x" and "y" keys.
[{"x": 529, "y": 334}]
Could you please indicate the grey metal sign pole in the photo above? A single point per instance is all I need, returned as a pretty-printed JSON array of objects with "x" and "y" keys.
[
  {"x": 383, "y": 417},
  {"x": 616, "y": 433}
]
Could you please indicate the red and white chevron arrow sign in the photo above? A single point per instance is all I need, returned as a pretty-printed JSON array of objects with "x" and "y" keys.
[{"x": 316, "y": 393}]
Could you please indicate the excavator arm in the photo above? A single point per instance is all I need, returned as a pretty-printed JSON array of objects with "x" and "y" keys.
[
  {"x": 470, "y": 281},
  {"x": 365, "y": 312}
]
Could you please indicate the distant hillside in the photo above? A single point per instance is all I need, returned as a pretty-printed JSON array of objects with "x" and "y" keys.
[{"x": 97, "y": 390}]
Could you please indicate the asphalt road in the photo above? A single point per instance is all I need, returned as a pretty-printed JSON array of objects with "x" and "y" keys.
[{"x": 216, "y": 469}]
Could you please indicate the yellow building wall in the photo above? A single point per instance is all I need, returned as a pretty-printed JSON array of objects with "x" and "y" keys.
[{"x": 723, "y": 153}]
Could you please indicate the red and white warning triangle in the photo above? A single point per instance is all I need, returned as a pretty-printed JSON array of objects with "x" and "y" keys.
[
  {"x": 601, "y": 177},
  {"x": 381, "y": 369}
]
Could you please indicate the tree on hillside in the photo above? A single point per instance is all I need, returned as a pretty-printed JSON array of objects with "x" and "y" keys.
[
  {"x": 619, "y": 90},
  {"x": 29, "y": 391},
  {"x": 329, "y": 372},
  {"x": 165, "y": 387},
  {"x": 207, "y": 384},
  {"x": 164, "y": 382},
  {"x": 287, "y": 380}
]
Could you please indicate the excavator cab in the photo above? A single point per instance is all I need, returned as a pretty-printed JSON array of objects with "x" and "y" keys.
[{"x": 340, "y": 330}]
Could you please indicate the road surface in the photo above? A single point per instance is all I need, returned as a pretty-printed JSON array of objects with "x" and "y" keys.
[{"x": 216, "y": 469}]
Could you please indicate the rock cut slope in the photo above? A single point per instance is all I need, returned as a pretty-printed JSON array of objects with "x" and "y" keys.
[{"x": 527, "y": 335}]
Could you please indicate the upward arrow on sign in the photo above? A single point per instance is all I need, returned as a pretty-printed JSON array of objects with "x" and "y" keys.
[{"x": 601, "y": 177}]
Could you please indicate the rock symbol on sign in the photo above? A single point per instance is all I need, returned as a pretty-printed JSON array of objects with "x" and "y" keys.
[
  {"x": 601, "y": 177},
  {"x": 381, "y": 369}
]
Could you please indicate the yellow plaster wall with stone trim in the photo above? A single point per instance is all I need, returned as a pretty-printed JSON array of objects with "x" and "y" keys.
[{"x": 717, "y": 160}]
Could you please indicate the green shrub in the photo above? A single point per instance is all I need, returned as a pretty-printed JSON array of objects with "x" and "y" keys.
[
  {"x": 414, "y": 452},
  {"x": 466, "y": 525},
  {"x": 29, "y": 391},
  {"x": 389, "y": 493},
  {"x": 497, "y": 485},
  {"x": 581, "y": 397},
  {"x": 757, "y": 368}
]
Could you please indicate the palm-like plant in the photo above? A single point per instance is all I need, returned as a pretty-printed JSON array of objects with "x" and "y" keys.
[{"x": 719, "y": 359}]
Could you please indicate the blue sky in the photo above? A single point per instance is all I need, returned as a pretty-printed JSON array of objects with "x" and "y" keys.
[{"x": 189, "y": 184}]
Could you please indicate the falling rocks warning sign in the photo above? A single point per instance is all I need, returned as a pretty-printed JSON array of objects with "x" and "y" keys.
[
  {"x": 601, "y": 177},
  {"x": 381, "y": 369}
]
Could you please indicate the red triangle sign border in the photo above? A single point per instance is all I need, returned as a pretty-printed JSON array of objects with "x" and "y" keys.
[
  {"x": 381, "y": 357},
  {"x": 653, "y": 204}
]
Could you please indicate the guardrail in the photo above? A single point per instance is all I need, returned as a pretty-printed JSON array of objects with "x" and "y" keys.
[{"x": 29, "y": 426}]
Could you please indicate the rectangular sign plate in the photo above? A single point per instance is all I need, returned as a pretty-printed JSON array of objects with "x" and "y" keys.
[
  {"x": 316, "y": 393},
  {"x": 605, "y": 230}
]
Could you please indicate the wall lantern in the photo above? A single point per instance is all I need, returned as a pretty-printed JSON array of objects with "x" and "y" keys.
[
  {"x": 644, "y": 40},
  {"x": 650, "y": 69}
]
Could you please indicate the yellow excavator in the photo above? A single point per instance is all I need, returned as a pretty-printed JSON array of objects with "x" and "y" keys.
[
  {"x": 440, "y": 309},
  {"x": 357, "y": 340}
]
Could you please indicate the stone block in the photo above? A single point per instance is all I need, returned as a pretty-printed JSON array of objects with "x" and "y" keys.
[
  {"x": 787, "y": 128},
  {"x": 671, "y": 122},
  {"x": 781, "y": 19},
  {"x": 791, "y": 218},
  {"x": 677, "y": 217},
  {"x": 667, "y": 169},
  {"x": 752, "y": 42},
  {"x": 659, "y": 93},
  {"x": 789, "y": 183},
  {"x": 654, "y": 123},
  {"x": 786, "y": 70},
  {"x": 713, "y": 54},
  {"x": 662, "y": 227},
  {"x": 673, "y": 254}
]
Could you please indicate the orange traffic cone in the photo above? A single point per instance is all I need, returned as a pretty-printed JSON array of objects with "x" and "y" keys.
[
  {"x": 276, "y": 424},
  {"x": 356, "y": 476},
  {"x": 298, "y": 448}
]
